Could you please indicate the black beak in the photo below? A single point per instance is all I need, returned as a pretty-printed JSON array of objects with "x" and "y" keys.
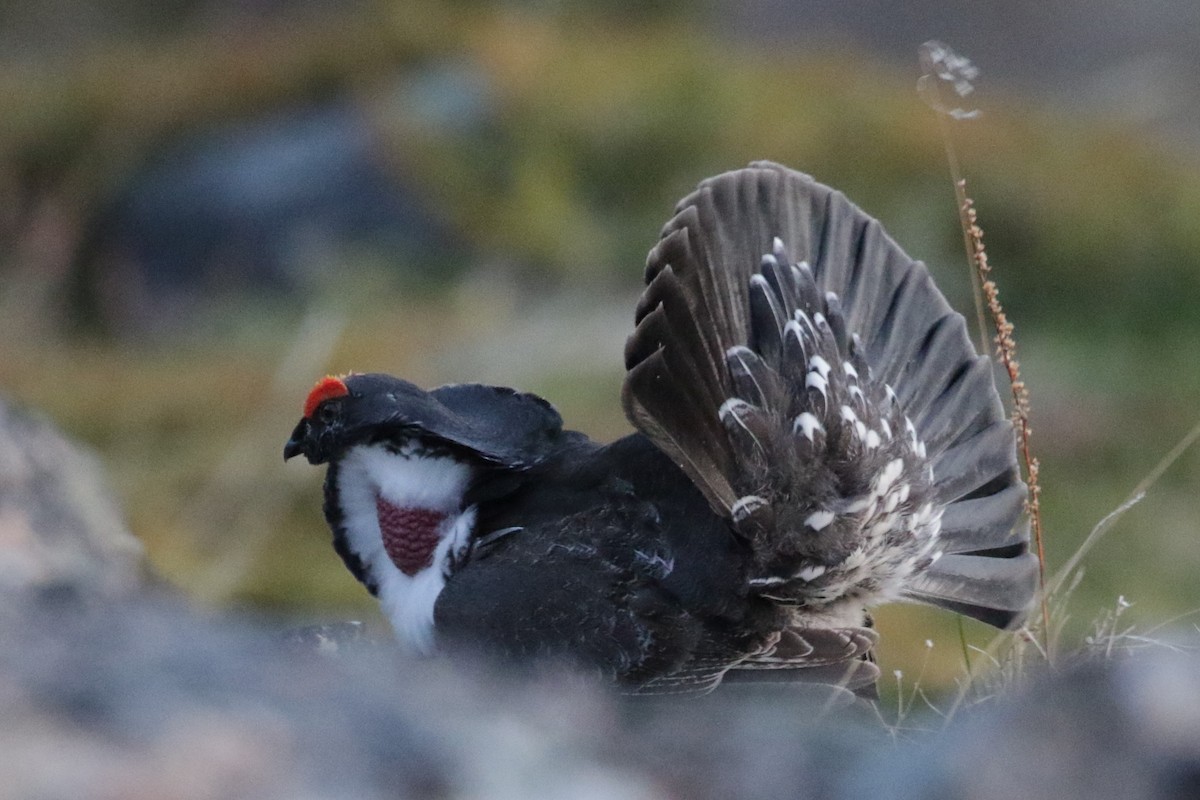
[{"x": 296, "y": 444}]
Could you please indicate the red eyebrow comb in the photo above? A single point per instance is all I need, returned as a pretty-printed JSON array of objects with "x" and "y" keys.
[{"x": 326, "y": 388}]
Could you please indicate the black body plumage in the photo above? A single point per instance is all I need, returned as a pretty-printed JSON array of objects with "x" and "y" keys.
[{"x": 815, "y": 435}]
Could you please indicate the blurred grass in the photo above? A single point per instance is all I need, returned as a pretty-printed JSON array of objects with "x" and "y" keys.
[{"x": 598, "y": 127}]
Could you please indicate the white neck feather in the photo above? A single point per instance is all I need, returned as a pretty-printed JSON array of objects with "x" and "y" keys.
[{"x": 407, "y": 481}]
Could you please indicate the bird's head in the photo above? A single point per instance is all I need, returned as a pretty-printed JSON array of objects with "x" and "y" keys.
[
  {"x": 401, "y": 460},
  {"x": 491, "y": 425}
]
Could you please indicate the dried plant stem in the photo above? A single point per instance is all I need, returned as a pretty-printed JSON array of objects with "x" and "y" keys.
[
  {"x": 962, "y": 201},
  {"x": 962, "y": 642},
  {"x": 1006, "y": 349},
  {"x": 947, "y": 79},
  {"x": 941, "y": 69}
]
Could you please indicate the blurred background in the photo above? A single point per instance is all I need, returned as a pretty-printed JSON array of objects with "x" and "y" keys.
[{"x": 205, "y": 205}]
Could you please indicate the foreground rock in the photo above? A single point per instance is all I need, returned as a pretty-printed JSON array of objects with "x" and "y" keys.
[
  {"x": 143, "y": 697},
  {"x": 59, "y": 521}
]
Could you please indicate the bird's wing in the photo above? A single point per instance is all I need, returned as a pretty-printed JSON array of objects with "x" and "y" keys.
[
  {"x": 502, "y": 426},
  {"x": 831, "y": 656},
  {"x": 575, "y": 588},
  {"x": 813, "y": 383}
]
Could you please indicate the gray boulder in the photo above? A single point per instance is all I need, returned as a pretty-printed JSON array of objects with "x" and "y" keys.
[{"x": 59, "y": 520}]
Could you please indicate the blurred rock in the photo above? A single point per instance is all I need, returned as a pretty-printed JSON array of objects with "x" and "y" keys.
[
  {"x": 1126, "y": 729},
  {"x": 59, "y": 521},
  {"x": 144, "y": 697}
]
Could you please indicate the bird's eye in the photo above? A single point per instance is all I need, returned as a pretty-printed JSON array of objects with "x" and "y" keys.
[{"x": 328, "y": 412}]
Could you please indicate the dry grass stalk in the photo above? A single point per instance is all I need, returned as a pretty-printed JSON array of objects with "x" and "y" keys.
[
  {"x": 946, "y": 83},
  {"x": 1006, "y": 351},
  {"x": 945, "y": 71}
]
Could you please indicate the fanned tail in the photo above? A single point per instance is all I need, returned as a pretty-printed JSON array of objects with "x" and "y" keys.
[{"x": 813, "y": 383}]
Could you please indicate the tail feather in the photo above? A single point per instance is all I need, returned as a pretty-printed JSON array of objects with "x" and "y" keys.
[
  {"x": 648, "y": 407},
  {"x": 981, "y": 523},
  {"x": 945, "y": 421},
  {"x": 994, "y": 590},
  {"x": 811, "y": 380},
  {"x": 975, "y": 461},
  {"x": 939, "y": 347},
  {"x": 893, "y": 353}
]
